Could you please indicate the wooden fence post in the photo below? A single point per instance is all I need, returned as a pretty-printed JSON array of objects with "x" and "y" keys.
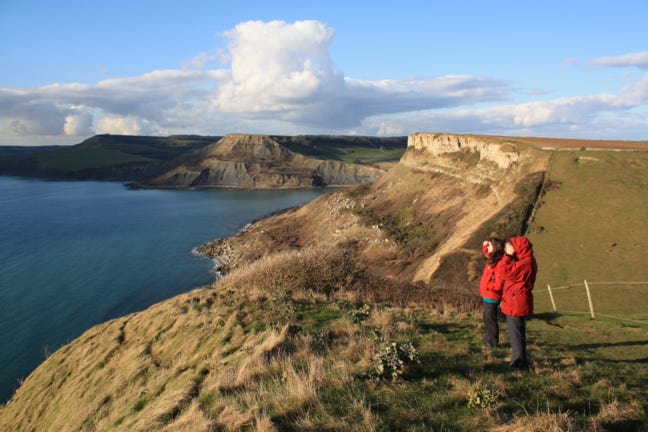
[
  {"x": 589, "y": 299},
  {"x": 553, "y": 303}
]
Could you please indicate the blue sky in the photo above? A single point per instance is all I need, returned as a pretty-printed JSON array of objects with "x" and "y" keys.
[{"x": 72, "y": 69}]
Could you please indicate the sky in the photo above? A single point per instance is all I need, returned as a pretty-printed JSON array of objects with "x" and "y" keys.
[{"x": 71, "y": 69}]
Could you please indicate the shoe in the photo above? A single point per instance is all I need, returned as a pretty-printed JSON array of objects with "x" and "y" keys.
[{"x": 518, "y": 365}]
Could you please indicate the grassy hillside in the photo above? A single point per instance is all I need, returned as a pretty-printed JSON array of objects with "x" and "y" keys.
[
  {"x": 350, "y": 149},
  {"x": 116, "y": 157},
  {"x": 324, "y": 327},
  {"x": 280, "y": 346},
  {"x": 592, "y": 224}
]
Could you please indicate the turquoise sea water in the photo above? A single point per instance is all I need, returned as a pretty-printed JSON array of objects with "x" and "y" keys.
[{"x": 75, "y": 254}]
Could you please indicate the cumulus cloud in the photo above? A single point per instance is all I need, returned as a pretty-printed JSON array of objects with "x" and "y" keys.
[
  {"x": 277, "y": 77},
  {"x": 276, "y": 66},
  {"x": 283, "y": 71},
  {"x": 562, "y": 117},
  {"x": 639, "y": 59},
  {"x": 117, "y": 125}
]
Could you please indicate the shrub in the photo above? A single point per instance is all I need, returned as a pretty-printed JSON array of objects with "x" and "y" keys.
[
  {"x": 392, "y": 358},
  {"x": 480, "y": 397},
  {"x": 359, "y": 314}
]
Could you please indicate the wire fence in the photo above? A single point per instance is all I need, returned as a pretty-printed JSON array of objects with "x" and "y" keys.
[{"x": 612, "y": 304}]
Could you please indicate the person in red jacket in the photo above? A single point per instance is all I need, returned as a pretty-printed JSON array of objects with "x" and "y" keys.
[
  {"x": 518, "y": 273},
  {"x": 490, "y": 289}
]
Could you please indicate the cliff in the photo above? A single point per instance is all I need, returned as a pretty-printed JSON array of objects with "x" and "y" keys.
[
  {"x": 421, "y": 217},
  {"x": 258, "y": 162}
]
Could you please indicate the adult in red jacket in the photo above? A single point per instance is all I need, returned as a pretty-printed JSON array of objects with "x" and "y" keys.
[
  {"x": 490, "y": 289},
  {"x": 518, "y": 272}
]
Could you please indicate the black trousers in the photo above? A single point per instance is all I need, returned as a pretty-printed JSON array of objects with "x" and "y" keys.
[
  {"x": 491, "y": 327},
  {"x": 516, "y": 329}
]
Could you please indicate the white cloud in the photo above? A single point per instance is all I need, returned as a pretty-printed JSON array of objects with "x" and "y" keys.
[
  {"x": 283, "y": 71},
  {"x": 78, "y": 125},
  {"x": 278, "y": 78},
  {"x": 116, "y": 125},
  {"x": 639, "y": 59},
  {"x": 635, "y": 93},
  {"x": 276, "y": 66},
  {"x": 608, "y": 115}
]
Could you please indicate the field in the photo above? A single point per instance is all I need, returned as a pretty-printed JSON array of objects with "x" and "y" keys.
[
  {"x": 581, "y": 144},
  {"x": 100, "y": 157},
  {"x": 592, "y": 224}
]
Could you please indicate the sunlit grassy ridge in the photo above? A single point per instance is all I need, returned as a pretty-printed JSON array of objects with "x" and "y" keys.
[{"x": 592, "y": 225}]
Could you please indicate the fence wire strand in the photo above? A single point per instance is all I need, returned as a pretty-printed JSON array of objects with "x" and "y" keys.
[{"x": 573, "y": 285}]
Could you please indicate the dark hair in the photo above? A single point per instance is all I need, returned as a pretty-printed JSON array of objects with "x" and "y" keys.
[{"x": 498, "y": 250}]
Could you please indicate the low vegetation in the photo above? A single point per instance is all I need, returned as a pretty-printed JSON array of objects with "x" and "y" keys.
[
  {"x": 101, "y": 157},
  {"x": 280, "y": 350},
  {"x": 349, "y": 149}
]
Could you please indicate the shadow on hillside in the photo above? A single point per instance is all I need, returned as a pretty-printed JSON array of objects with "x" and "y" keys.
[
  {"x": 611, "y": 344},
  {"x": 548, "y": 317}
]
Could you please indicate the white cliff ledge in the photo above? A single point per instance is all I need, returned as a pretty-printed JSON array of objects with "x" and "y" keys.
[{"x": 492, "y": 149}]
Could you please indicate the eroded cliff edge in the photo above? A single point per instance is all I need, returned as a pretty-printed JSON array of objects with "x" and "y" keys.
[
  {"x": 423, "y": 217},
  {"x": 258, "y": 162}
]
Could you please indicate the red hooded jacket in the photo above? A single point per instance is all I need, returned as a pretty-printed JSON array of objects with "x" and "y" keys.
[
  {"x": 518, "y": 274},
  {"x": 490, "y": 285}
]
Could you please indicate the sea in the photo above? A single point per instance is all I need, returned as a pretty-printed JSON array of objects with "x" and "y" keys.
[{"x": 74, "y": 254}]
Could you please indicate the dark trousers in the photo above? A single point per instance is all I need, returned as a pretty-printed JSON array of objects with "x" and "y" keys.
[
  {"x": 491, "y": 327},
  {"x": 516, "y": 329}
]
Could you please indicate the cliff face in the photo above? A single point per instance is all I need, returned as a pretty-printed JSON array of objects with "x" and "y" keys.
[
  {"x": 446, "y": 193},
  {"x": 503, "y": 154},
  {"x": 259, "y": 162}
]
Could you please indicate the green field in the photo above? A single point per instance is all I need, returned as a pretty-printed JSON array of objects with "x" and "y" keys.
[
  {"x": 116, "y": 157},
  {"x": 349, "y": 149},
  {"x": 592, "y": 224}
]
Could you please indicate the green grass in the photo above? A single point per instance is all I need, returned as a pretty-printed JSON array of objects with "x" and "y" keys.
[
  {"x": 349, "y": 149},
  {"x": 594, "y": 226},
  {"x": 102, "y": 156},
  {"x": 75, "y": 159}
]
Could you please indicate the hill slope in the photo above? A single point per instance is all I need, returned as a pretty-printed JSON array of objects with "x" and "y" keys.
[
  {"x": 259, "y": 162},
  {"x": 445, "y": 195},
  {"x": 102, "y": 157},
  {"x": 355, "y": 312},
  {"x": 311, "y": 160}
]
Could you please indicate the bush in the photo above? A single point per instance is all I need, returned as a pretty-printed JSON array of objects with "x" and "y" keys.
[
  {"x": 392, "y": 358},
  {"x": 480, "y": 397}
]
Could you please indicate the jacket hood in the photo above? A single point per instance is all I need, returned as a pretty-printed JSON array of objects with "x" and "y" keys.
[{"x": 522, "y": 245}]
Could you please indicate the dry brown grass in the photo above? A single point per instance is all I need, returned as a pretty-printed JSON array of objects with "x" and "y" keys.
[
  {"x": 541, "y": 422},
  {"x": 619, "y": 415}
]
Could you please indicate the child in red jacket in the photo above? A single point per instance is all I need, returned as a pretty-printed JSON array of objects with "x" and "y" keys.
[
  {"x": 490, "y": 289},
  {"x": 518, "y": 272}
]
